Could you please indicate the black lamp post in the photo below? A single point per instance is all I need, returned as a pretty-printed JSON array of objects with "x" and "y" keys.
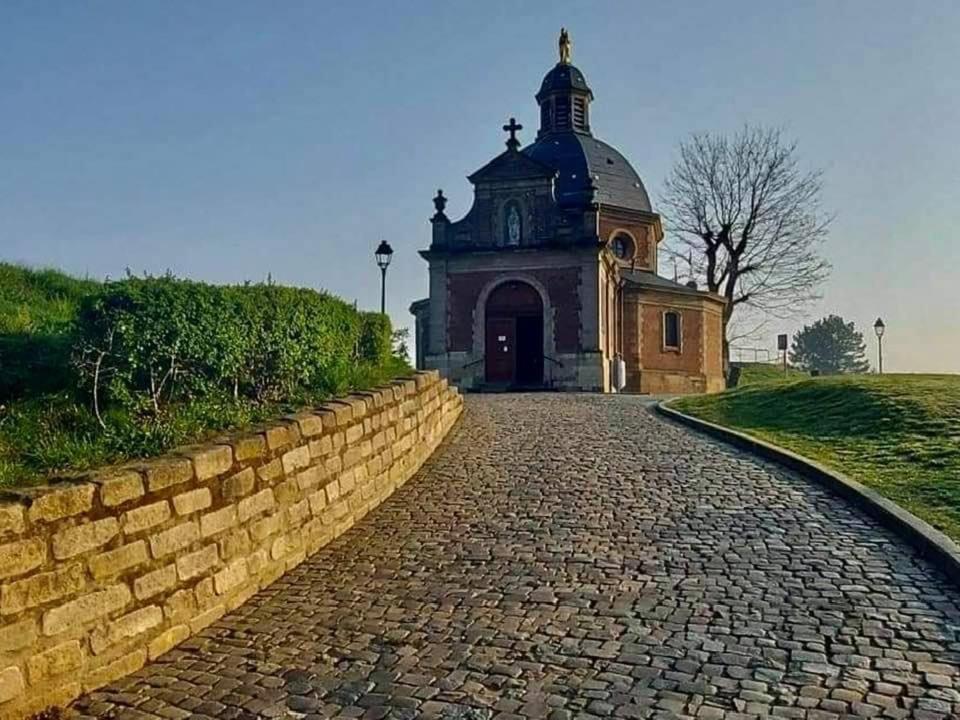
[
  {"x": 384, "y": 254},
  {"x": 878, "y": 328}
]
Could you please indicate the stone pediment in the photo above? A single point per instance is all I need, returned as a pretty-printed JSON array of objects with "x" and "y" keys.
[{"x": 512, "y": 165}]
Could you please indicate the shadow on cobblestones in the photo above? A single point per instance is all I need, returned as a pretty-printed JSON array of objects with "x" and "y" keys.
[{"x": 572, "y": 556}]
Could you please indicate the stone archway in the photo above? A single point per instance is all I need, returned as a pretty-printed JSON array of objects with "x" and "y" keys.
[{"x": 514, "y": 335}]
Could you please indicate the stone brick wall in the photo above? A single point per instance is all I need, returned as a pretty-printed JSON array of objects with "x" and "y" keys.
[{"x": 102, "y": 574}]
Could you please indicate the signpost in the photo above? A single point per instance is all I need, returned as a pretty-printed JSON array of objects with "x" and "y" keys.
[{"x": 782, "y": 346}]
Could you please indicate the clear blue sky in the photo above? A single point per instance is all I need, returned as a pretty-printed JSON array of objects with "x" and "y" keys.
[{"x": 226, "y": 140}]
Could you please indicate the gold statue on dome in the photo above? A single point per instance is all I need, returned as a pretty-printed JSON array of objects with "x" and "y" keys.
[{"x": 566, "y": 46}]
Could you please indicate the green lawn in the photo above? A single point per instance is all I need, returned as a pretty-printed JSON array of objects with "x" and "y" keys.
[
  {"x": 898, "y": 434},
  {"x": 752, "y": 373}
]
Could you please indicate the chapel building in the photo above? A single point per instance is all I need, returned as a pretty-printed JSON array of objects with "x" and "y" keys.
[{"x": 550, "y": 280}]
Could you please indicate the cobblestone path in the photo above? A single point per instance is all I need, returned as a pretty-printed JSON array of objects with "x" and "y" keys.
[{"x": 573, "y": 556}]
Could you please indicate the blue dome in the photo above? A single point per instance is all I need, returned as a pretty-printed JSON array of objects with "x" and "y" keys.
[{"x": 577, "y": 158}]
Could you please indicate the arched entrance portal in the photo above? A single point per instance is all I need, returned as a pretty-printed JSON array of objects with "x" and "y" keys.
[{"x": 514, "y": 335}]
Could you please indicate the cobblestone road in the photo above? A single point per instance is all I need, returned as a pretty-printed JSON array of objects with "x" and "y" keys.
[{"x": 572, "y": 556}]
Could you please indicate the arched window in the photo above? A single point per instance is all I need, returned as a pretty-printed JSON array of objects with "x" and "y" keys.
[
  {"x": 512, "y": 224},
  {"x": 622, "y": 246},
  {"x": 672, "y": 330}
]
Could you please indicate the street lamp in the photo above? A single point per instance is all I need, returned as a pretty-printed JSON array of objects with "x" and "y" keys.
[
  {"x": 384, "y": 254},
  {"x": 878, "y": 328}
]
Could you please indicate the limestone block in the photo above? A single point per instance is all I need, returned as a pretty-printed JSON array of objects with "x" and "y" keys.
[
  {"x": 210, "y": 461},
  {"x": 352, "y": 456},
  {"x": 234, "y": 575},
  {"x": 166, "y": 471},
  {"x": 354, "y": 433},
  {"x": 249, "y": 447},
  {"x": 40, "y": 588},
  {"x": 205, "y": 593},
  {"x": 318, "y": 501},
  {"x": 342, "y": 413},
  {"x": 255, "y": 504},
  {"x": 238, "y": 485},
  {"x": 235, "y": 544},
  {"x": 180, "y": 606},
  {"x": 192, "y": 501},
  {"x": 309, "y": 424},
  {"x": 11, "y": 684},
  {"x": 174, "y": 539},
  {"x": 329, "y": 418},
  {"x": 11, "y": 519},
  {"x": 58, "y": 660},
  {"x": 197, "y": 563},
  {"x": 270, "y": 472},
  {"x": 278, "y": 436},
  {"x": 264, "y": 528},
  {"x": 146, "y": 517},
  {"x": 114, "y": 562},
  {"x": 16, "y": 558},
  {"x": 333, "y": 490},
  {"x": 347, "y": 481},
  {"x": 115, "y": 670},
  {"x": 83, "y": 538},
  {"x": 333, "y": 465},
  {"x": 321, "y": 446},
  {"x": 311, "y": 476},
  {"x": 62, "y": 501},
  {"x": 287, "y": 492},
  {"x": 298, "y": 513},
  {"x": 119, "y": 488},
  {"x": 155, "y": 582},
  {"x": 219, "y": 520},
  {"x": 18, "y": 636},
  {"x": 85, "y": 609},
  {"x": 295, "y": 459},
  {"x": 207, "y": 618},
  {"x": 128, "y": 626},
  {"x": 167, "y": 641},
  {"x": 257, "y": 561}
]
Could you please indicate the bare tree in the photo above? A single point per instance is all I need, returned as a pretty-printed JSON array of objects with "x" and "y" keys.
[{"x": 753, "y": 220}]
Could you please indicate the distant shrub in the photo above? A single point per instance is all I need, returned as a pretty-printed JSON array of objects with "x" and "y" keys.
[
  {"x": 146, "y": 343},
  {"x": 376, "y": 338}
]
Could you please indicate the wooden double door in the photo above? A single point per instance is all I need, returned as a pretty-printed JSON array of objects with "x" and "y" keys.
[{"x": 514, "y": 350}]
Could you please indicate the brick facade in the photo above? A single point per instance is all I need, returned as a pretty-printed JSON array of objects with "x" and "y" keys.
[{"x": 561, "y": 284}]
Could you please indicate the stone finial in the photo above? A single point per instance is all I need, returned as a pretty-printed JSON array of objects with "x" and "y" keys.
[{"x": 440, "y": 203}]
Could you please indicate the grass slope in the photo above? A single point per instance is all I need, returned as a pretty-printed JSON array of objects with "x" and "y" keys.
[
  {"x": 37, "y": 313},
  {"x": 37, "y": 302},
  {"x": 752, "y": 373},
  {"x": 898, "y": 434}
]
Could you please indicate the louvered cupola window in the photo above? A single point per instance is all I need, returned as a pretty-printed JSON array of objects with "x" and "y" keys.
[
  {"x": 561, "y": 115},
  {"x": 545, "y": 114},
  {"x": 579, "y": 113}
]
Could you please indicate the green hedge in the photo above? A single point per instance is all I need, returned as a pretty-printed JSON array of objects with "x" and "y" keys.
[{"x": 147, "y": 343}]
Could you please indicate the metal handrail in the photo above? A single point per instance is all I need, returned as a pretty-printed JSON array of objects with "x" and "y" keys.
[
  {"x": 476, "y": 362},
  {"x": 553, "y": 360}
]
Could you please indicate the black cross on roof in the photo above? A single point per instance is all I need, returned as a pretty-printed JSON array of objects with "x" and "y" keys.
[{"x": 512, "y": 128}]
